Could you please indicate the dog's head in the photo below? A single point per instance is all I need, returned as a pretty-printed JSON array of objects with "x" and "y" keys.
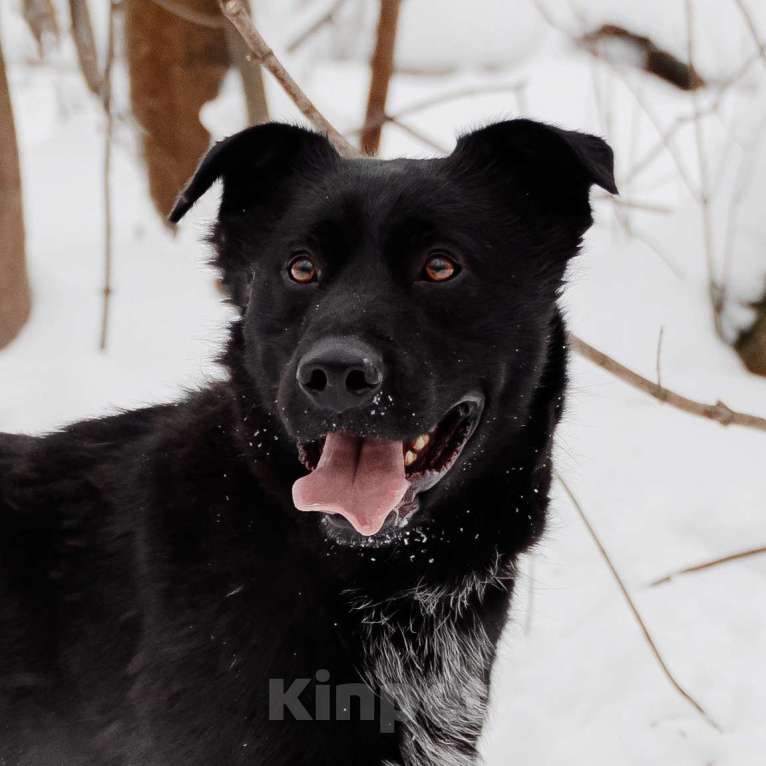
[{"x": 397, "y": 315}]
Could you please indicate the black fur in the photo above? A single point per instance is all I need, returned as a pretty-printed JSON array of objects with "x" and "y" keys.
[{"x": 154, "y": 574}]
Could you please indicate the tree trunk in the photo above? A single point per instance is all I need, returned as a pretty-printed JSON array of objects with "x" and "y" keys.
[
  {"x": 14, "y": 288},
  {"x": 252, "y": 77},
  {"x": 751, "y": 344},
  {"x": 382, "y": 69},
  {"x": 82, "y": 32},
  {"x": 176, "y": 65},
  {"x": 40, "y": 16}
]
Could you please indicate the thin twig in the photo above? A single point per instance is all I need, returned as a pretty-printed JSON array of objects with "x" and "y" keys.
[
  {"x": 635, "y": 233},
  {"x": 649, "y": 112},
  {"x": 417, "y": 135},
  {"x": 710, "y": 564},
  {"x": 665, "y": 138},
  {"x": 190, "y": 15},
  {"x": 432, "y": 101},
  {"x": 719, "y": 412},
  {"x": 750, "y": 22},
  {"x": 635, "y": 204},
  {"x": 631, "y": 605},
  {"x": 704, "y": 192},
  {"x": 235, "y": 11},
  {"x": 659, "y": 358},
  {"x": 106, "y": 100},
  {"x": 546, "y": 14},
  {"x": 315, "y": 26},
  {"x": 648, "y": 242}
]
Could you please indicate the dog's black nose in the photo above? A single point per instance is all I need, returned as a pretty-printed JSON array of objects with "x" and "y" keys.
[{"x": 340, "y": 373}]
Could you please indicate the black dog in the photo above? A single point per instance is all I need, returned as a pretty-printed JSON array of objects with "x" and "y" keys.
[{"x": 398, "y": 370}]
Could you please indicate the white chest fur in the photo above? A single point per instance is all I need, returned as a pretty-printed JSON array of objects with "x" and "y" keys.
[{"x": 420, "y": 653}]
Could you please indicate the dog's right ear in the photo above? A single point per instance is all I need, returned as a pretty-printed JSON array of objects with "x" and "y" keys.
[{"x": 251, "y": 163}]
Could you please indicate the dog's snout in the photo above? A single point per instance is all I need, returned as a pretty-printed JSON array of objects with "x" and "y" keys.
[{"x": 338, "y": 374}]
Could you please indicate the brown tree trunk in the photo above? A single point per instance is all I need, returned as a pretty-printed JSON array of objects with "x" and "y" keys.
[
  {"x": 251, "y": 74},
  {"x": 751, "y": 344},
  {"x": 252, "y": 77},
  {"x": 176, "y": 65},
  {"x": 382, "y": 68},
  {"x": 14, "y": 288},
  {"x": 82, "y": 32},
  {"x": 40, "y": 15}
]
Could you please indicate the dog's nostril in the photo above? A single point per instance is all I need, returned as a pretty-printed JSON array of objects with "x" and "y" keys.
[
  {"x": 357, "y": 382},
  {"x": 317, "y": 380}
]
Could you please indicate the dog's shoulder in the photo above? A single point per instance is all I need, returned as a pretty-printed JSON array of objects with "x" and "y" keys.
[
  {"x": 98, "y": 453},
  {"x": 38, "y": 471},
  {"x": 70, "y": 512}
]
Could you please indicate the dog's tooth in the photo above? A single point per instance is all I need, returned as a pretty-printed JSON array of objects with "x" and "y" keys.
[
  {"x": 421, "y": 442},
  {"x": 409, "y": 457}
]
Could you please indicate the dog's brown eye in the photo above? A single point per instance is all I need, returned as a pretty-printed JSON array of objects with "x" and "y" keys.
[
  {"x": 439, "y": 268},
  {"x": 302, "y": 270}
]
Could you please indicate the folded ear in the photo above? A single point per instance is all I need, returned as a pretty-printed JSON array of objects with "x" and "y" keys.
[
  {"x": 260, "y": 168},
  {"x": 250, "y": 163},
  {"x": 557, "y": 166}
]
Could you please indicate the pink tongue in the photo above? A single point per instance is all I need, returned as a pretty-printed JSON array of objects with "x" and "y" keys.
[{"x": 361, "y": 479}]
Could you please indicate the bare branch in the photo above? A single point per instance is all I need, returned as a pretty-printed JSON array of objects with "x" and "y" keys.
[
  {"x": 666, "y": 137},
  {"x": 444, "y": 98},
  {"x": 750, "y": 22},
  {"x": 106, "y": 100},
  {"x": 704, "y": 193},
  {"x": 648, "y": 242},
  {"x": 545, "y": 13},
  {"x": 315, "y": 26},
  {"x": 251, "y": 74},
  {"x": 417, "y": 134},
  {"x": 656, "y": 61},
  {"x": 189, "y": 14},
  {"x": 646, "y": 207},
  {"x": 719, "y": 412},
  {"x": 633, "y": 608},
  {"x": 85, "y": 44},
  {"x": 710, "y": 564},
  {"x": 235, "y": 11},
  {"x": 382, "y": 66}
]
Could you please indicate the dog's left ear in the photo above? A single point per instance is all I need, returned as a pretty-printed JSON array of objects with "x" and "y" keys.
[
  {"x": 259, "y": 167},
  {"x": 251, "y": 164},
  {"x": 555, "y": 165}
]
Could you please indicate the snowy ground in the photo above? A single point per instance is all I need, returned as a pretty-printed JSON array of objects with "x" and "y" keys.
[{"x": 575, "y": 682}]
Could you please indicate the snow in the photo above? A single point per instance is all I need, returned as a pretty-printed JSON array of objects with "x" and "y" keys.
[{"x": 575, "y": 681}]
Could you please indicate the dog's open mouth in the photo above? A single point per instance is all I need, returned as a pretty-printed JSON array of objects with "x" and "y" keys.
[{"x": 366, "y": 480}]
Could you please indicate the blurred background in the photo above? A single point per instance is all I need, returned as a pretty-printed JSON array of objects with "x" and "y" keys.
[{"x": 104, "y": 111}]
